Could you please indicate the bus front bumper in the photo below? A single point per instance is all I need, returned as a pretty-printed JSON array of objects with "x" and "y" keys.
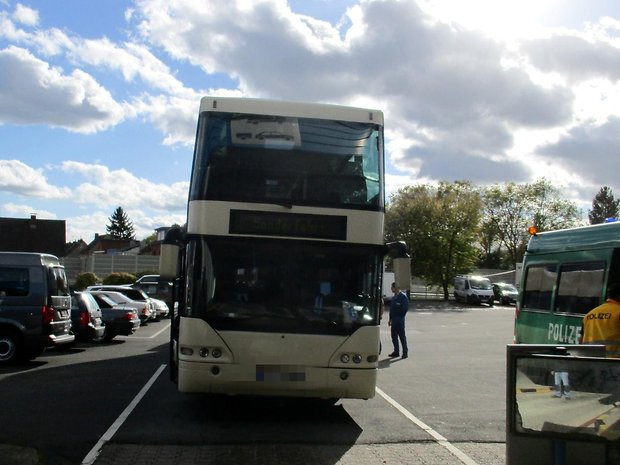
[{"x": 273, "y": 380}]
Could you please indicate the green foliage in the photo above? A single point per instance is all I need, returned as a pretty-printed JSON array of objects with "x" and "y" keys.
[
  {"x": 439, "y": 225},
  {"x": 119, "y": 278},
  {"x": 83, "y": 280},
  {"x": 454, "y": 227},
  {"x": 604, "y": 206},
  {"x": 512, "y": 208},
  {"x": 120, "y": 227}
]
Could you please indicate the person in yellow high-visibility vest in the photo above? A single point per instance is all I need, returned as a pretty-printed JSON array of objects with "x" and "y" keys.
[{"x": 601, "y": 325}]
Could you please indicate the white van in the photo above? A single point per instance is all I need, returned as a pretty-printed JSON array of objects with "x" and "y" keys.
[{"x": 473, "y": 290}]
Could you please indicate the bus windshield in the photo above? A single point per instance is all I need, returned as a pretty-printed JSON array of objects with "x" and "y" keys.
[
  {"x": 266, "y": 286},
  {"x": 285, "y": 160}
]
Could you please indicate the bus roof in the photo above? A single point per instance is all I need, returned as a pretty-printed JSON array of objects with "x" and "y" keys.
[
  {"x": 599, "y": 235},
  {"x": 290, "y": 109}
]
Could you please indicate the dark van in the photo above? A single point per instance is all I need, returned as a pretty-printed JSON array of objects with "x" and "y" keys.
[{"x": 35, "y": 305}]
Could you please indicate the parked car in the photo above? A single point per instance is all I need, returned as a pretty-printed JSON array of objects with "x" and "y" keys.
[
  {"x": 34, "y": 305},
  {"x": 161, "y": 307},
  {"x": 119, "y": 319},
  {"x": 157, "y": 288},
  {"x": 86, "y": 318},
  {"x": 473, "y": 290},
  {"x": 144, "y": 308},
  {"x": 505, "y": 293},
  {"x": 135, "y": 295}
]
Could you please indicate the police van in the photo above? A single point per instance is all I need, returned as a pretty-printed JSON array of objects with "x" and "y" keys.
[
  {"x": 473, "y": 290},
  {"x": 35, "y": 305}
]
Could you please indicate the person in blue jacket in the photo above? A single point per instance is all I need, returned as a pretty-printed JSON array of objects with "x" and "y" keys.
[{"x": 398, "y": 310}]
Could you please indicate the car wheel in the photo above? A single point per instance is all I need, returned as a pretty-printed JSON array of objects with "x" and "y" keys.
[
  {"x": 8, "y": 347},
  {"x": 108, "y": 335}
]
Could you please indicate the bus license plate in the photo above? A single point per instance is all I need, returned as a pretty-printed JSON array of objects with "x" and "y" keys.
[{"x": 280, "y": 373}]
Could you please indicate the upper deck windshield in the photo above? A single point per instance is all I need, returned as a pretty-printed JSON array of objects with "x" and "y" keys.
[
  {"x": 311, "y": 289},
  {"x": 301, "y": 161}
]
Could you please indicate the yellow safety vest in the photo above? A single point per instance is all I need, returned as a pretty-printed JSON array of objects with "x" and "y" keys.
[{"x": 602, "y": 326}]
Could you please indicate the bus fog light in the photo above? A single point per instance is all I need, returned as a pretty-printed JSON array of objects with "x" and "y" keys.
[
  {"x": 357, "y": 358},
  {"x": 216, "y": 353},
  {"x": 344, "y": 358},
  {"x": 187, "y": 351},
  {"x": 344, "y": 375},
  {"x": 215, "y": 370},
  {"x": 203, "y": 352}
]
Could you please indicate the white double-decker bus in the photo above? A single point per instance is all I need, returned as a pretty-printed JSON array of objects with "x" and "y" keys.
[{"x": 278, "y": 269}]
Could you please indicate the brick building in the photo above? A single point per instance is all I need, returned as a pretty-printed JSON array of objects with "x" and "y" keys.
[{"x": 33, "y": 235}]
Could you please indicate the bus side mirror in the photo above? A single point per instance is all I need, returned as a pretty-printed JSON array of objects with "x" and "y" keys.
[
  {"x": 402, "y": 273},
  {"x": 402, "y": 264},
  {"x": 169, "y": 255}
]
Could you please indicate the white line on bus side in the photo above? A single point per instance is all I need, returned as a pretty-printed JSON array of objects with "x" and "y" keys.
[
  {"x": 94, "y": 452},
  {"x": 434, "y": 434}
]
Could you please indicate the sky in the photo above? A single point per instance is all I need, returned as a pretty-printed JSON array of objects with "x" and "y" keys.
[{"x": 99, "y": 100}]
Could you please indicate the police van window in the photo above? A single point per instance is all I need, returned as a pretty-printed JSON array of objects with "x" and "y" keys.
[
  {"x": 580, "y": 287},
  {"x": 614, "y": 268},
  {"x": 539, "y": 282}
]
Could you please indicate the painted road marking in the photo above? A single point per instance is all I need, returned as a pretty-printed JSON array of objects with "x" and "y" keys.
[
  {"x": 434, "y": 434},
  {"x": 94, "y": 452}
]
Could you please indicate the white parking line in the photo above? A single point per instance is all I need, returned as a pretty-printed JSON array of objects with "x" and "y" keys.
[
  {"x": 94, "y": 452},
  {"x": 165, "y": 328},
  {"x": 434, "y": 434}
]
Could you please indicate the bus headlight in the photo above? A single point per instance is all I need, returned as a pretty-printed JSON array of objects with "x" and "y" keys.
[
  {"x": 203, "y": 352},
  {"x": 357, "y": 358},
  {"x": 216, "y": 353},
  {"x": 345, "y": 358}
]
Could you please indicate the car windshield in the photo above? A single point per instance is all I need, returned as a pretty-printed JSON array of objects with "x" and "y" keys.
[
  {"x": 480, "y": 284},
  {"x": 104, "y": 301},
  {"x": 134, "y": 294}
]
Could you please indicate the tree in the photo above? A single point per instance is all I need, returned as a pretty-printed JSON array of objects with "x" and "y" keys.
[
  {"x": 604, "y": 206},
  {"x": 506, "y": 212},
  {"x": 513, "y": 208},
  {"x": 548, "y": 209},
  {"x": 120, "y": 227},
  {"x": 119, "y": 278},
  {"x": 83, "y": 280},
  {"x": 439, "y": 225}
]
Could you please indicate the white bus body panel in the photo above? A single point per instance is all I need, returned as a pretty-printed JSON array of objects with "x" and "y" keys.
[
  {"x": 243, "y": 353},
  {"x": 213, "y": 218}
]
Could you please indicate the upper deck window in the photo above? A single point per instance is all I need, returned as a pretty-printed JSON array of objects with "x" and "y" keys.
[{"x": 301, "y": 161}]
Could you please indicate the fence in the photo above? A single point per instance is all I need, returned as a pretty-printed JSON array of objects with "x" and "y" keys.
[{"x": 103, "y": 265}]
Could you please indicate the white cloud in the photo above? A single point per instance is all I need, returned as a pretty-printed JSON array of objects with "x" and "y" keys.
[
  {"x": 110, "y": 188},
  {"x": 20, "y": 210},
  {"x": 445, "y": 88},
  {"x": 461, "y": 101},
  {"x": 26, "y": 15},
  {"x": 18, "y": 178},
  {"x": 31, "y": 92}
]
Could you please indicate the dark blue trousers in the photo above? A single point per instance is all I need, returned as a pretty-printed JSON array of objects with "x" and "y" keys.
[{"x": 398, "y": 332}]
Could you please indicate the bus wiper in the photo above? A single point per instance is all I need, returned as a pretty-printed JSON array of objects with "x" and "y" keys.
[{"x": 284, "y": 204}]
